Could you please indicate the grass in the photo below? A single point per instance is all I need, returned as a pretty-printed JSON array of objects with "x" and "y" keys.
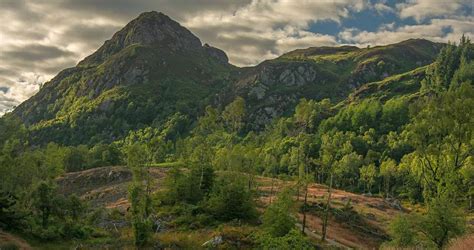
[
  {"x": 166, "y": 164},
  {"x": 238, "y": 236}
]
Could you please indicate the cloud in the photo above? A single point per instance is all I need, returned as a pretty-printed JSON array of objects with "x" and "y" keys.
[
  {"x": 439, "y": 30},
  {"x": 422, "y": 9},
  {"x": 13, "y": 94},
  {"x": 34, "y": 52},
  {"x": 382, "y": 7},
  {"x": 40, "y": 37},
  {"x": 265, "y": 29}
]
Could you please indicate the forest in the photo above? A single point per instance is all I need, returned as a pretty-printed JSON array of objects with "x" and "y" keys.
[{"x": 414, "y": 148}]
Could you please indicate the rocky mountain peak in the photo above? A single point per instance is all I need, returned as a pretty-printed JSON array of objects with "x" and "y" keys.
[
  {"x": 149, "y": 29},
  {"x": 153, "y": 27}
]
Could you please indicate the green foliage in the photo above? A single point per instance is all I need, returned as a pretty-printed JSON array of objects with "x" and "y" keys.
[
  {"x": 402, "y": 231},
  {"x": 55, "y": 216},
  {"x": 442, "y": 222},
  {"x": 139, "y": 193},
  {"x": 388, "y": 133},
  {"x": 43, "y": 201},
  {"x": 187, "y": 187},
  {"x": 230, "y": 199},
  {"x": 292, "y": 240},
  {"x": 452, "y": 67},
  {"x": 441, "y": 133},
  {"x": 11, "y": 216},
  {"x": 389, "y": 171},
  {"x": 368, "y": 174},
  {"x": 234, "y": 114},
  {"x": 141, "y": 225},
  {"x": 277, "y": 219},
  {"x": 310, "y": 113}
]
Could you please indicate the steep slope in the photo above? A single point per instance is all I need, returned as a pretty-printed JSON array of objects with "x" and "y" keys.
[
  {"x": 149, "y": 70},
  {"x": 154, "y": 68},
  {"x": 275, "y": 86}
]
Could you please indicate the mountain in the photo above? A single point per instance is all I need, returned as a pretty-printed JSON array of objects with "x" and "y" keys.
[
  {"x": 275, "y": 86},
  {"x": 149, "y": 70},
  {"x": 154, "y": 70}
]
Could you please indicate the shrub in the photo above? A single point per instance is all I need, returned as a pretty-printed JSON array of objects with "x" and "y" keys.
[
  {"x": 277, "y": 220},
  {"x": 230, "y": 199}
]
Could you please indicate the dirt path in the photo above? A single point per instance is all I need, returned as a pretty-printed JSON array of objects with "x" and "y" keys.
[{"x": 6, "y": 238}]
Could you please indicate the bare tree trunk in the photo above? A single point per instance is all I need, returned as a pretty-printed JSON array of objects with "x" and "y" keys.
[
  {"x": 387, "y": 187},
  {"x": 298, "y": 191},
  {"x": 304, "y": 207},
  {"x": 471, "y": 205},
  {"x": 202, "y": 177},
  {"x": 328, "y": 205},
  {"x": 271, "y": 191}
]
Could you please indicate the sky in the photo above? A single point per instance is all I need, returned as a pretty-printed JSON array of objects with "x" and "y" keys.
[{"x": 38, "y": 38}]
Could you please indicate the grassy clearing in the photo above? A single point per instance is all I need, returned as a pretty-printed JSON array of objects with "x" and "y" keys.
[{"x": 166, "y": 164}]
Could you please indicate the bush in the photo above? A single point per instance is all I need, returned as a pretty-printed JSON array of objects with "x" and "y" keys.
[
  {"x": 293, "y": 240},
  {"x": 9, "y": 246},
  {"x": 230, "y": 199},
  {"x": 188, "y": 187},
  {"x": 277, "y": 220},
  {"x": 402, "y": 231},
  {"x": 73, "y": 230},
  {"x": 442, "y": 222},
  {"x": 141, "y": 231}
]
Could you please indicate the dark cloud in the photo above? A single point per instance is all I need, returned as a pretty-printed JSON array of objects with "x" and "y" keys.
[
  {"x": 125, "y": 9},
  {"x": 52, "y": 69},
  {"x": 87, "y": 33},
  {"x": 20, "y": 9},
  {"x": 4, "y": 89},
  {"x": 34, "y": 52},
  {"x": 7, "y": 103},
  {"x": 7, "y": 72}
]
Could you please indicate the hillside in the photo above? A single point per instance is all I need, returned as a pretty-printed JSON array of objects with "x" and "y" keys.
[
  {"x": 149, "y": 70},
  {"x": 154, "y": 68},
  {"x": 156, "y": 141},
  {"x": 275, "y": 86},
  {"x": 107, "y": 187}
]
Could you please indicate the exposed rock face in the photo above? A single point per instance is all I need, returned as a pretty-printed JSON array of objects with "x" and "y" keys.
[
  {"x": 288, "y": 75},
  {"x": 298, "y": 76},
  {"x": 263, "y": 88},
  {"x": 150, "y": 28},
  {"x": 216, "y": 53}
]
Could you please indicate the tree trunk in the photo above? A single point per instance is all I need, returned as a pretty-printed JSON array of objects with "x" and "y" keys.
[
  {"x": 202, "y": 177},
  {"x": 304, "y": 207},
  {"x": 387, "y": 190},
  {"x": 271, "y": 191},
  {"x": 471, "y": 205},
  {"x": 328, "y": 205},
  {"x": 45, "y": 218},
  {"x": 298, "y": 191}
]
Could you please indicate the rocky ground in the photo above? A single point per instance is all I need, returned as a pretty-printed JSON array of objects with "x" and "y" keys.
[
  {"x": 363, "y": 227},
  {"x": 106, "y": 186}
]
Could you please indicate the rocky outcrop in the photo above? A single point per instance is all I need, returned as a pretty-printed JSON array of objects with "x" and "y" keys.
[
  {"x": 297, "y": 74},
  {"x": 216, "y": 53},
  {"x": 150, "y": 28}
]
